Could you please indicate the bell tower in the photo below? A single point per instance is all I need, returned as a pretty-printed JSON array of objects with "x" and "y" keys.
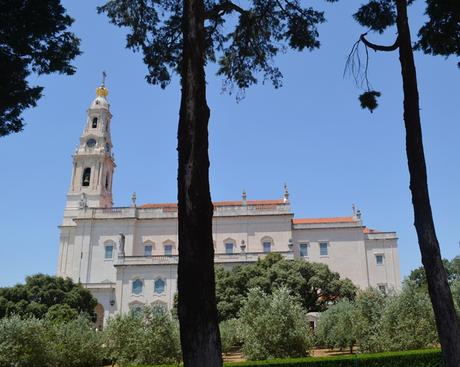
[{"x": 93, "y": 160}]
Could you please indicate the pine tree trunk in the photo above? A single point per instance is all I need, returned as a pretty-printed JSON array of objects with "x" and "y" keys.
[
  {"x": 441, "y": 298},
  {"x": 197, "y": 309}
]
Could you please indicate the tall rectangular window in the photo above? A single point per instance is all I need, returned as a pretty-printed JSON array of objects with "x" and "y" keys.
[
  {"x": 229, "y": 248},
  {"x": 323, "y": 249},
  {"x": 303, "y": 249},
  {"x": 379, "y": 259},
  {"x": 108, "y": 254},
  {"x": 168, "y": 250},
  {"x": 148, "y": 250},
  {"x": 267, "y": 247}
]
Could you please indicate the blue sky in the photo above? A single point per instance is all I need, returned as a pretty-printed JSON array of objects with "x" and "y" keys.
[{"x": 311, "y": 134}]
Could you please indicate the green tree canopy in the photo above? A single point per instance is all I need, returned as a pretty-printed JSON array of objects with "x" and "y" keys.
[
  {"x": 418, "y": 275},
  {"x": 241, "y": 38},
  {"x": 41, "y": 293},
  {"x": 313, "y": 283},
  {"x": 418, "y": 278},
  {"x": 34, "y": 38},
  {"x": 440, "y": 35}
]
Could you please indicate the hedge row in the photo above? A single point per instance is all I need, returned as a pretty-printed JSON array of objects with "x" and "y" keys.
[{"x": 414, "y": 358}]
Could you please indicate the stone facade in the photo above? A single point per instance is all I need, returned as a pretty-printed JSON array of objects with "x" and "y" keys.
[{"x": 127, "y": 256}]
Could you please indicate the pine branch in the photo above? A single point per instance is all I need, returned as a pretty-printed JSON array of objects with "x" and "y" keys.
[
  {"x": 224, "y": 7},
  {"x": 375, "y": 47}
]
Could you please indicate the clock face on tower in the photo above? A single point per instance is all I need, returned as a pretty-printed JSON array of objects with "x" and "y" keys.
[{"x": 90, "y": 143}]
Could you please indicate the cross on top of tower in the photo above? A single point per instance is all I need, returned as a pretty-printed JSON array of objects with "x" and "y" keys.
[{"x": 102, "y": 91}]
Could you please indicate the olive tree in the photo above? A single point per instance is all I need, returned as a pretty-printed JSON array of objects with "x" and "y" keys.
[
  {"x": 335, "y": 326},
  {"x": 274, "y": 325}
]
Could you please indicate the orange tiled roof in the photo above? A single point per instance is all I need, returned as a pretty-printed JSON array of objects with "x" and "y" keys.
[
  {"x": 323, "y": 220},
  {"x": 219, "y": 203},
  {"x": 370, "y": 230}
]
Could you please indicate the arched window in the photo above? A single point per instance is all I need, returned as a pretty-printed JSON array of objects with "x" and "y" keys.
[
  {"x": 107, "y": 181},
  {"x": 168, "y": 248},
  {"x": 137, "y": 287},
  {"x": 94, "y": 122},
  {"x": 108, "y": 251},
  {"x": 267, "y": 244},
  {"x": 229, "y": 245},
  {"x": 85, "y": 180},
  {"x": 148, "y": 248},
  {"x": 159, "y": 286}
]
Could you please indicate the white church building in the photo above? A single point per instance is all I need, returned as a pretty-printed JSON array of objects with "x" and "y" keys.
[{"x": 127, "y": 256}]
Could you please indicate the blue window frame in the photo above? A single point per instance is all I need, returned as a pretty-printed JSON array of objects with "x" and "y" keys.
[
  {"x": 168, "y": 250},
  {"x": 379, "y": 259},
  {"x": 323, "y": 249},
  {"x": 137, "y": 286},
  {"x": 303, "y": 249},
  {"x": 108, "y": 252},
  {"x": 148, "y": 250},
  {"x": 267, "y": 247},
  {"x": 159, "y": 286},
  {"x": 229, "y": 248}
]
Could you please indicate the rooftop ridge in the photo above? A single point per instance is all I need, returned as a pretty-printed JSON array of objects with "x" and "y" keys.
[
  {"x": 324, "y": 220},
  {"x": 219, "y": 203}
]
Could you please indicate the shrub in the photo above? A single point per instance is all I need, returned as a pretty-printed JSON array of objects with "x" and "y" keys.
[
  {"x": 369, "y": 307},
  {"x": 229, "y": 334},
  {"x": 76, "y": 343},
  {"x": 24, "y": 343},
  {"x": 274, "y": 325},
  {"x": 417, "y": 358},
  {"x": 31, "y": 342},
  {"x": 408, "y": 321},
  {"x": 151, "y": 337},
  {"x": 335, "y": 326}
]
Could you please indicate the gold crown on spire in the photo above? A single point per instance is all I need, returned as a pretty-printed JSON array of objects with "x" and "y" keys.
[{"x": 102, "y": 91}]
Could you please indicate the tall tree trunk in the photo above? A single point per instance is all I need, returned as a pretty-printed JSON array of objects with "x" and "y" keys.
[
  {"x": 441, "y": 298},
  {"x": 199, "y": 328}
]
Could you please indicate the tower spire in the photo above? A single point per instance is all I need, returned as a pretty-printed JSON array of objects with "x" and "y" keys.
[{"x": 93, "y": 161}]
